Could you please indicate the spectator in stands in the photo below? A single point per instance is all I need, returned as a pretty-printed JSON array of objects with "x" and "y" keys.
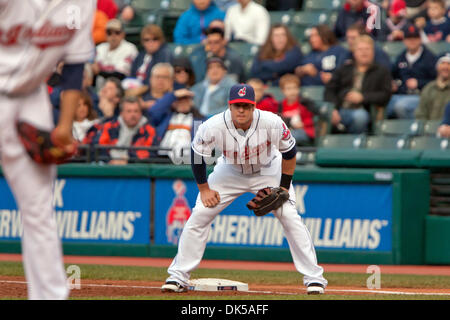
[
  {"x": 55, "y": 93},
  {"x": 264, "y": 101},
  {"x": 356, "y": 86},
  {"x": 351, "y": 12},
  {"x": 115, "y": 56},
  {"x": 294, "y": 110},
  {"x": 282, "y": 5},
  {"x": 247, "y": 21},
  {"x": 173, "y": 117},
  {"x": 317, "y": 66},
  {"x": 444, "y": 128},
  {"x": 358, "y": 29},
  {"x": 161, "y": 82},
  {"x": 99, "y": 27},
  {"x": 436, "y": 94},
  {"x": 85, "y": 117},
  {"x": 190, "y": 27},
  {"x": 279, "y": 55},
  {"x": 413, "y": 69},
  {"x": 129, "y": 129},
  {"x": 109, "y": 98},
  {"x": 437, "y": 27},
  {"x": 216, "y": 45},
  {"x": 184, "y": 76},
  {"x": 392, "y": 27},
  {"x": 154, "y": 51},
  {"x": 211, "y": 95},
  {"x": 109, "y": 7}
]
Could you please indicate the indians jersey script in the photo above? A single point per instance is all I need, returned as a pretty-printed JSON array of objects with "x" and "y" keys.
[
  {"x": 248, "y": 152},
  {"x": 37, "y": 34}
]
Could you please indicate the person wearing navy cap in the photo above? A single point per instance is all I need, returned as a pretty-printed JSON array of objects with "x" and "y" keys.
[
  {"x": 258, "y": 151},
  {"x": 413, "y": 69}
]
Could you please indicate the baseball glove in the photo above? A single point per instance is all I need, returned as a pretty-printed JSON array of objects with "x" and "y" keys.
[
  {"x": 268, "y": 200},
  {"x": 41, "y": 145}
]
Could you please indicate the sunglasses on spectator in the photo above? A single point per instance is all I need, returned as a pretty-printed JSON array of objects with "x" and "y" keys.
[
  {"x": 179, "y": 70},
  {"x": 111, "y": 32},
  {"x": 150, "y": 39}
]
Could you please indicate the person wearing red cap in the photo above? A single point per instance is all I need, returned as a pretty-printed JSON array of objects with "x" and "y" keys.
[
  {"x": 258, "y": 151},
  {"x": 392, "y": 28}
]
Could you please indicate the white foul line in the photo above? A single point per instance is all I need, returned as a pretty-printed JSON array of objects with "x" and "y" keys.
[{"x": 264, "y": 292}]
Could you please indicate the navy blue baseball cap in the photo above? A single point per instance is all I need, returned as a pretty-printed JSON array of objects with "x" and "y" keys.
[{"x": 242, "y": 93}]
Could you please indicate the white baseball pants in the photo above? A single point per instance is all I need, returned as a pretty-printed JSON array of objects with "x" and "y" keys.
[
  {"x": 230, "y": 185},
  {"x": 32, "y": 187}
]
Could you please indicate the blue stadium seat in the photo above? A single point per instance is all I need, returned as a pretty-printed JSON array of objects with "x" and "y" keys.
[
  {"x": 339, "y": 141},
  {"x": 322, "y": 5},
  {"x": 384, "y": 142},
  {"x": 399, "y": 127}
]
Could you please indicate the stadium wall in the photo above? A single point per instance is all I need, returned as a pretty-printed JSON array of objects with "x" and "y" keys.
[{"x": 366, "y": 216}]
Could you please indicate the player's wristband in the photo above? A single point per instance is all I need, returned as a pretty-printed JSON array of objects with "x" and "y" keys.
[{"x": 285, "y": 181}]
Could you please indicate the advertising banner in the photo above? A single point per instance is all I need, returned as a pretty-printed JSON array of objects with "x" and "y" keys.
[
  {"x": 113, "y": 210},
  {"x": 338, "y": 217}
]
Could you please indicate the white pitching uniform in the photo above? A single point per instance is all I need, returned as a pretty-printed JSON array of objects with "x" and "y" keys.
[
  {"x": 34, "y": 36},
  {"x": 250, "y": 161}
]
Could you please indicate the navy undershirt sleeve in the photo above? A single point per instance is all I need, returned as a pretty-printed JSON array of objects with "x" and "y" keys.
[
  {"x": 290, "y": 154},
  {"x": 198, "y": 165},
  {"x": 72, "y": 76}
]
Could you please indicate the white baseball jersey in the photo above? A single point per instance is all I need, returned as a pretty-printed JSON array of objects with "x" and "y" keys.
[
  {"x": 247, "y": 152},
  {"x": 37, "y": 34},
  {"x": 119, "y": 59}
]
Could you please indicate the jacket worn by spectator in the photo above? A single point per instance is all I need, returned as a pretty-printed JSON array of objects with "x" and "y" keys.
[
  {"x": 376, "y": 86},
  {"x": 164, "y": 54},
  {"x": 161, "y": 114},
  {"x": 190, "y": 27},
  {"x": 325, "y": 61},
  {"x": 218, "y": 98},
  {"x": 232, "y": 59},
  {"x": 272, "y": 70},
  {"x": 115, "y": 132},
  {"x": 433, "y": 100},
  {"x": 424, "y": 70},
  {"x": 299, "y": 107},
  {"x": 346, "y": 17}
]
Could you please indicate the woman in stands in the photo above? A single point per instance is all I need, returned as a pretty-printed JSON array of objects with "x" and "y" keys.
[
  {"x": 279, "y": 55},
  {"x": 155, "y": 51},
  {"x": 326, "y": 56}
]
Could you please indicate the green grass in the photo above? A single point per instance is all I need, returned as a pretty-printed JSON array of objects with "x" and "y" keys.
[{"x": 258, "y": 277}]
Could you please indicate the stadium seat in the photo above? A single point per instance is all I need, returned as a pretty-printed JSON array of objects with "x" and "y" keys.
[
  {"x": 310, "y": 19},
  {"x": 283, "y": 17},
  {"x": 399, "y": 127},
  {"x": 276, "y": 92},
  {"x": 181, "y": 5},
  {"x": 313, "y": 92},
  {"x": 429, "y": 143},
  {"x": 321, "y": 5},
  {"x": 339, "y": 141},
  {"x": 147, "y": 5},
  {"x": 439, "y": 48},
  {"x": 384, "y": 142},
  {"x": 300, "y": 33},
  {"x": 393, "y": 49},
  {"x": 181, "y": 50},
  {"x": 244, "y": 48},
  {"x": 430, "y": 127}
]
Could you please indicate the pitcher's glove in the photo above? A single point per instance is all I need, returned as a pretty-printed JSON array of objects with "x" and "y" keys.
[
  {"x": 42, "y": 146},
  {"x": 268, "y": 200}
]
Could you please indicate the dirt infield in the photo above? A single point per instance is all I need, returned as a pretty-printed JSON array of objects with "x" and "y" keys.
[{"x": 15, "y": 287}]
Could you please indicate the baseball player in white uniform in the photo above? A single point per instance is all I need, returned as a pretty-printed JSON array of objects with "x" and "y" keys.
[
  {"x": 258, "y": 151},
  {"x": 34, "y": 36}
]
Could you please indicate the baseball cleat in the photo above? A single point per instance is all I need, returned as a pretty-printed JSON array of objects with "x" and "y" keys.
[
  {"x": 173, "y": 286},
  {"x": 315, "y": 288}
]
